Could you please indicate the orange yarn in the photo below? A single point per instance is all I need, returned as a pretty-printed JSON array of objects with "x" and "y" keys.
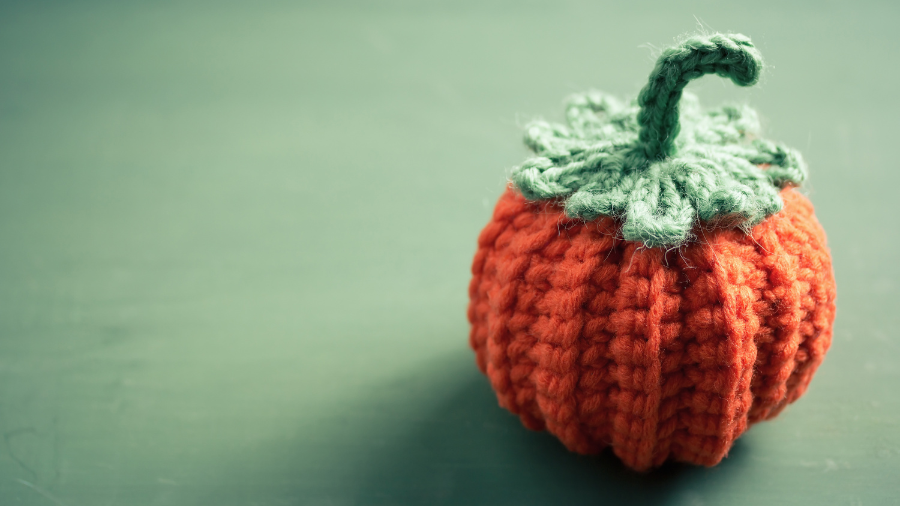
[{"x": 658, "y": 354}]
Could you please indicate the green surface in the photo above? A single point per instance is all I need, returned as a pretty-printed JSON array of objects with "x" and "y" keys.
[{"x": 234, "y": 249}]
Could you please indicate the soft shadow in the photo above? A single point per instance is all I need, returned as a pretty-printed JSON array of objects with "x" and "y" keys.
[{"x": 471, "y": 451}]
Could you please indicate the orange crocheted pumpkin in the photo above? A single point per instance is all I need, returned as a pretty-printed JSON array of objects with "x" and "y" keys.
[{"x": 606, "y": 331}]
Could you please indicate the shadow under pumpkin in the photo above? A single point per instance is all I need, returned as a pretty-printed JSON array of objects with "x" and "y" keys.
[{"x": 471, "y": 451}]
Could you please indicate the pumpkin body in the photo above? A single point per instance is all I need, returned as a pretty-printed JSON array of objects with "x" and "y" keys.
[{"x": 660, "y": 354}]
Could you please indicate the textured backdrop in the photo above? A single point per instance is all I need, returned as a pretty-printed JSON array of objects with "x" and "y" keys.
[{"x": 235, "y": 247}]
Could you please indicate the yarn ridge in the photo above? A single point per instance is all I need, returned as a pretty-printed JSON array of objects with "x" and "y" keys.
[{"x": 660, "y": 163}]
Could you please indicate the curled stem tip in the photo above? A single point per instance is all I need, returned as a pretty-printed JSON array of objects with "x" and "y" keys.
[{"x": 727, "y": 55}]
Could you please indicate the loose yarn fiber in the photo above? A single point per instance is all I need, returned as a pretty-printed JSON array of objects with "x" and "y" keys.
[{"x": 659, "y": 349}]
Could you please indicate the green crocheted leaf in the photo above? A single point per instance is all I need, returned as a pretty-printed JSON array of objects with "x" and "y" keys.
[{"x": 660, "y": 171}]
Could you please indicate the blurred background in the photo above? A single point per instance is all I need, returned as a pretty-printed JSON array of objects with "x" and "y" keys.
[{"x": 235, "y": 244}]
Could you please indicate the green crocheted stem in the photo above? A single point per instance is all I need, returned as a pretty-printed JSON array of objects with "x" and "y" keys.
[
  {"x": 732, "y": 56},
  {"x": 662, "y": 164}
]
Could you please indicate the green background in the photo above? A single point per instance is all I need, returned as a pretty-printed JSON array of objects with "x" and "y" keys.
[{"x": 235, "y": 242}]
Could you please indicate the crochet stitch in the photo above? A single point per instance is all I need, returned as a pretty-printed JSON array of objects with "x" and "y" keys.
[
  {"x": 585, "y": 331},
  {"x": 630, "y": 161}
]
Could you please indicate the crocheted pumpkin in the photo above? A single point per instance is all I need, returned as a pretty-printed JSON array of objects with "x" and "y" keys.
[{"x": 653, "y": 284}]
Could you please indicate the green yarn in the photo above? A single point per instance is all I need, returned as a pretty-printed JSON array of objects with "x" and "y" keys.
[{"x": 661, "y": 164}]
